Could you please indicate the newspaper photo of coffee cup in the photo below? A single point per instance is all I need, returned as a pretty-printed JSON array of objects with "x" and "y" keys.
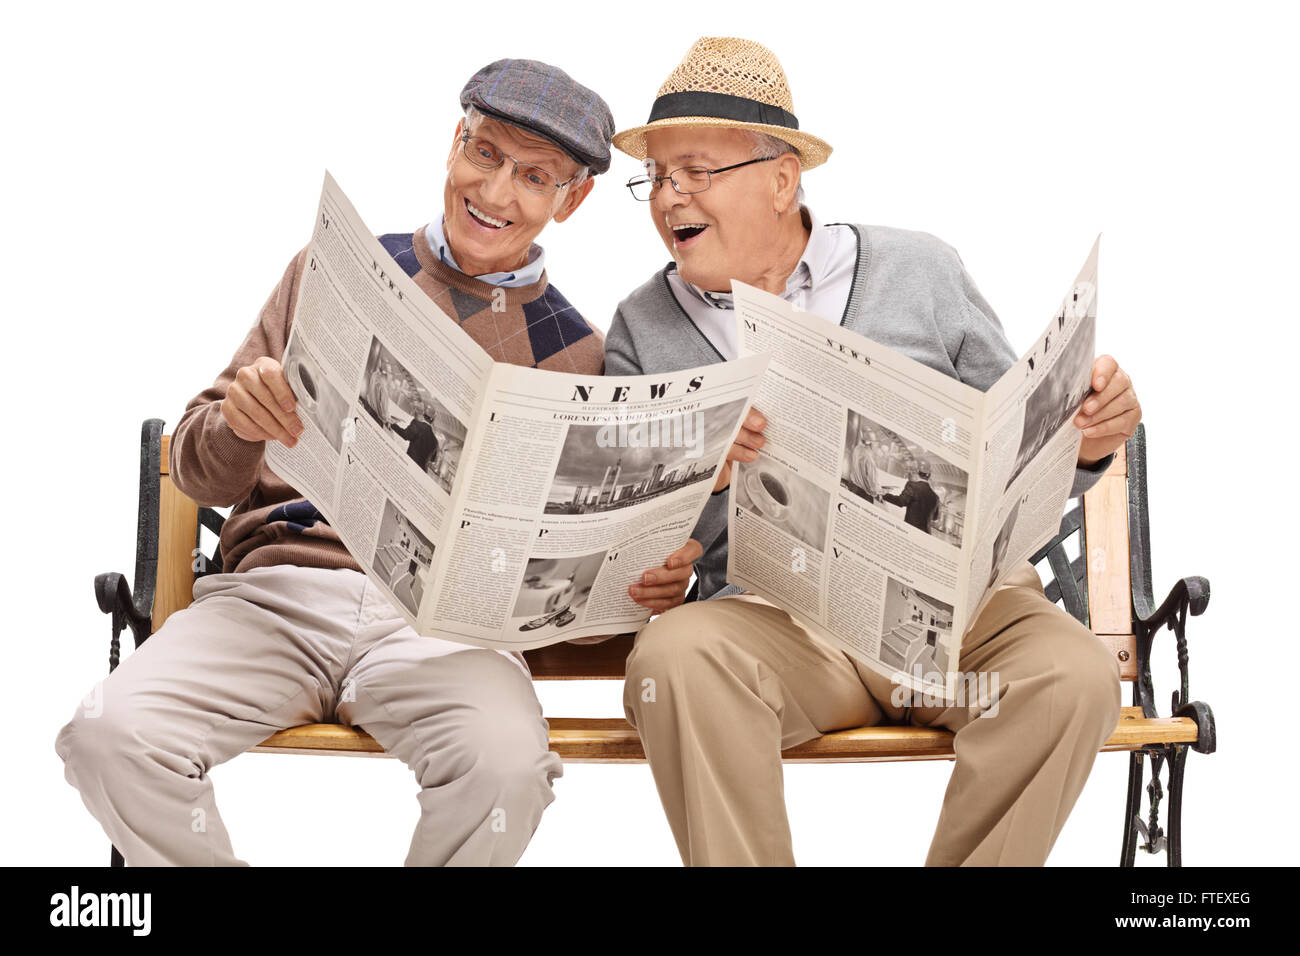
[
  {"x": 303, "y": 383},
  {"x": 768, "y": 494},
  {"x": 319, "y": 402},
  {"x": 784, "y": 499}
]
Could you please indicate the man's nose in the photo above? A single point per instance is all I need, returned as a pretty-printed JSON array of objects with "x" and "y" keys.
[
  {"x": 498, "y": 186},
  {"x": 668, "y": 198}
]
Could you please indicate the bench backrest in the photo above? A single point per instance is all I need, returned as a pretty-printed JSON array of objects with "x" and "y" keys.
[{"x": 1095, "y": 585}]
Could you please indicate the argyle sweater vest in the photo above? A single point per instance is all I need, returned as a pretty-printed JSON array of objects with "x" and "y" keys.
[{"x": 271, "y": 522}]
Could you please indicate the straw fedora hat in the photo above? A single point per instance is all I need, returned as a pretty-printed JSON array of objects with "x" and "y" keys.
[{"x": 730, "y": 83}]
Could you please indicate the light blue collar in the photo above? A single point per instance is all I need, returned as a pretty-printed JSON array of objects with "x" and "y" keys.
[{"x": 526, "y": 275}]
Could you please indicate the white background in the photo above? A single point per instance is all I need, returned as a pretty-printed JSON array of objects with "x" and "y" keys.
[{"x": 162, "y": 164}]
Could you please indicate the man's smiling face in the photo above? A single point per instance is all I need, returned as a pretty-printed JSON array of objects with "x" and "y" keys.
[
  {"x": 490, "y": 221},
  {"x": 722, "y": 233}
]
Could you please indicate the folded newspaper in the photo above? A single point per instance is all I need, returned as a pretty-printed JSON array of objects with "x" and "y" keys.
[
  {"x": 890, "y": 500},
  {"x": 495, "y": 505}
]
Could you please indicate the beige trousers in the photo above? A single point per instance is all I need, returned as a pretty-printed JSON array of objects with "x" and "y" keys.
[
  {"x": 262, "y": 650},
  {"x": 717, "y": 689}
]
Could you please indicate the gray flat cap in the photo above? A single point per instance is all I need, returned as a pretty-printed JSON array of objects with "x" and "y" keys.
[{"x": 547, "y": 101}]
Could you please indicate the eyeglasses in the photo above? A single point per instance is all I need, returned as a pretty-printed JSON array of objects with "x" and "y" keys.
[
  {"x": 686, "y": 180},
  {"x": 485, "y": 154}
]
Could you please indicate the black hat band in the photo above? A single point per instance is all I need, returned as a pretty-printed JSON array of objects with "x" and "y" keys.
[{"x": 722, "y": 105}]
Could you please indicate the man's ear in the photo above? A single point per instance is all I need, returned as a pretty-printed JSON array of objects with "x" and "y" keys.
[
  {"x": 574, "y": 199},
  {"x": 786, "y": 182},
  {"x": 455, "y": 142}
]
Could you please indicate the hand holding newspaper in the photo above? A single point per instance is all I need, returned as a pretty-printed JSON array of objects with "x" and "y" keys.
[
  {"x": 495, "y": 505},
  {"x": 890, "y": 501}
]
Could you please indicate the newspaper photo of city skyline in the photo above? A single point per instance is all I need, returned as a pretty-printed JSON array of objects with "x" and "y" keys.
[{"x": 593, "y": 475}]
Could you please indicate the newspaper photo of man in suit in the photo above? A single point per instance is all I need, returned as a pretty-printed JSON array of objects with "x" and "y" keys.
[{"x": 919, "y": 499}]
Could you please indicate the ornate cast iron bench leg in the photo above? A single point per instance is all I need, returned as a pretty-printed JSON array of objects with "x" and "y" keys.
[{"x": 1188, "y": 595}]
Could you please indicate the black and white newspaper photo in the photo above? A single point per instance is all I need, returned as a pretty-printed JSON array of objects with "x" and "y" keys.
[
  {"x": 601, "y": 470},
  {"x": 410, "y": 417},
  {"x": 885, "y": 469},
  {"x": 402, "y": 558},
  {"x": 502, "y": 506}
]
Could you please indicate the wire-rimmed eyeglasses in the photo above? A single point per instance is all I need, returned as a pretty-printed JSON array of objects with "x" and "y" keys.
[
  {"x": 485, "y": 154},
  {"x": 686, "y": 180}
]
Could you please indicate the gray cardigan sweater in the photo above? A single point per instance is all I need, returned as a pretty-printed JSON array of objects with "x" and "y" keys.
[{"x": 910, "y": 292}]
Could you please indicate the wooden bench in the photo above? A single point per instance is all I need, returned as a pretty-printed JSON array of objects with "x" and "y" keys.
[{"x": 1106, "y": 585}]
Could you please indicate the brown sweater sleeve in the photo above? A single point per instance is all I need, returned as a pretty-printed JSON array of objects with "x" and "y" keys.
[{"x": 207, "y": 460}]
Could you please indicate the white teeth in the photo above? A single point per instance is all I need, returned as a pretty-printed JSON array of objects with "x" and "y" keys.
[
  {"x": 688, "y": 225},
  {"x": 480, "y": 214}
]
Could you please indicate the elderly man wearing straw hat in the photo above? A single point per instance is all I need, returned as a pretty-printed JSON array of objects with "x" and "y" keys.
[{"x": 736, "y": 679}]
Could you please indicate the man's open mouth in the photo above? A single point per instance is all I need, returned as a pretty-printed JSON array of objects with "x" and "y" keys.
[
  {"x": 684, "y": 231},
  {"x": 492, "y": 222}
]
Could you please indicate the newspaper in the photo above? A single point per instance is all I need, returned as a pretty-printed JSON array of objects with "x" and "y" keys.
[
  {"x": 890, "y": 500},
  {"x": 495, "y": 505}
]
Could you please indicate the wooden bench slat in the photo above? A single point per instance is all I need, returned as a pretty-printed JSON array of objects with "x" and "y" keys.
[
  {"x": 1105, "y": 509},
  {"x": 322, "y": 738},
  {"x": 178, "y": 518},
  {"x": 614, "y": 740}
]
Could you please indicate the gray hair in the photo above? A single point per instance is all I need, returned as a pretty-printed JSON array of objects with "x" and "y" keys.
[
  {"x": 473, "y": 117},
  {"x": 765, "y": 146}
]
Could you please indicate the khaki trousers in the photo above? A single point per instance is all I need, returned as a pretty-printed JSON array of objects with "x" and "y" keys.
[
  {"x": 262, "y": 650},
  {"x": 717, "y": 689}
]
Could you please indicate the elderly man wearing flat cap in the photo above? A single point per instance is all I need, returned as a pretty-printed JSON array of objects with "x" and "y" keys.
[
  {"x": 294, "y": 632},
  {"x": 737, "y": 680}
]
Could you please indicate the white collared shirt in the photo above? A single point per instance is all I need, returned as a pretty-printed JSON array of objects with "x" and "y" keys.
[
  {"x": 526, "y": 275},
  {"x": 820, "y": 284}
]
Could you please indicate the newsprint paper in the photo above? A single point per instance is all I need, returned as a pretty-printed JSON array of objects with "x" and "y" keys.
[
  {"x": 890, "y": 500},
  {"x": 495, "y": 505}
]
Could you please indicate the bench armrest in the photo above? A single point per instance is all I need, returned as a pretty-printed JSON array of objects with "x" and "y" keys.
[
  {"x": 1188, "y": 595},
  {"x": 112, "y": 593},
  {"x": 114, "y": 597}
]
